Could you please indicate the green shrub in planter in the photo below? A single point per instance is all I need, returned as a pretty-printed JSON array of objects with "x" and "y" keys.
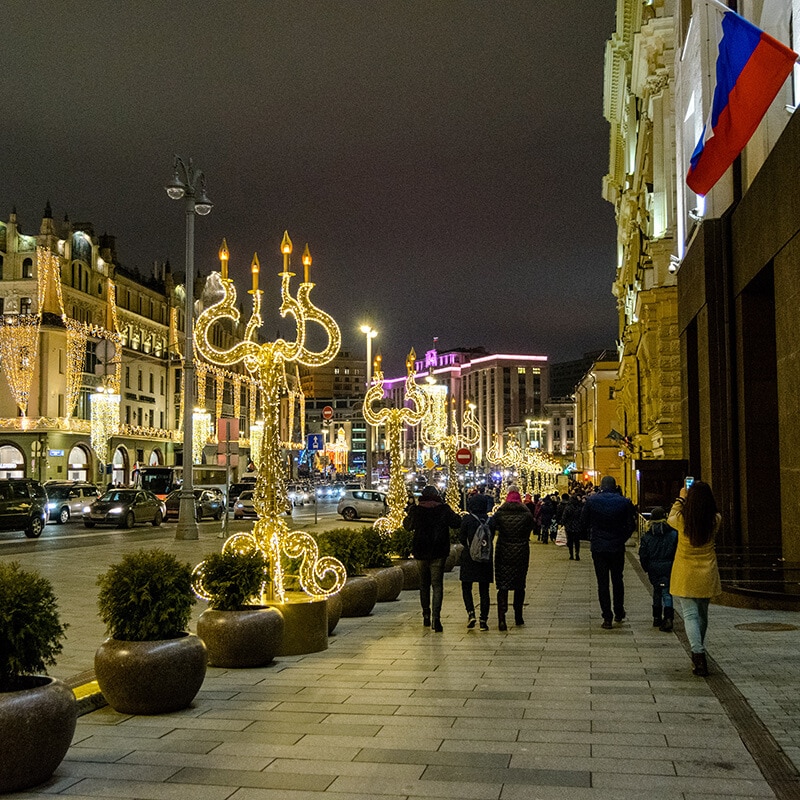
[
  {"x": 400, "y": 543},
  {"x": 376, "y": 548},
  {"x": 346, "y": 544},
  {"x": 146, "y": 597},
  {"x": 233, "y": 580},
  {"x": 30, "y": 630}
]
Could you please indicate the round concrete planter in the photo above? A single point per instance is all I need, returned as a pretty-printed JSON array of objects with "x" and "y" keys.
[
  {"x": 305, "y": 624},
  {"x": 359, "y": 595},
  {"x": 249, "y": 637},
  {"x": 410, "y": 569},
  {"x": 150, "y": 677},
  {"x": 36, "y": 728},
  {"x": 453, "y": 557},
  {"x": 390, "y": 582},
  {"x": 334, "y": 611}
]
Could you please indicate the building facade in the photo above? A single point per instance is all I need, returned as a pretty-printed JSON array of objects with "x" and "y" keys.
[{"x": 639, "y": 104}]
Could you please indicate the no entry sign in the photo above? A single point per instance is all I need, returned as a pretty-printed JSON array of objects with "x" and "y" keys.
[
  {"x": 327, "y": 413},
  {"x": 463, "y": 455}
]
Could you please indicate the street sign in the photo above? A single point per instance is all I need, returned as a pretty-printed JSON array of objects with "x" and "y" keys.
[
  {"x": 463, "y": 455},
  {"x": 430, "y": 464},
  {"x": 327, "y": 413},
  {"x": 315, "y": 441}
]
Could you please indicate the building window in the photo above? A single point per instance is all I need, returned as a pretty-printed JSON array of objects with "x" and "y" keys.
[
  {"x": 139, "y": 381},
  {"x": 162, "y": 388},
  {"x": 139, "y": 416},
  {"x": 27, "y": 268},
  {"x": 152, "y": 379},
  {"x": 127, "y": 415},
  {"x": 161, "y": 419},
  {"x": 25, "y": 304},
  {"x": 127, "y": 377}
]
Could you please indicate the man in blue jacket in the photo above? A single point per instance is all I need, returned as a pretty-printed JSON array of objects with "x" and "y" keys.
[{"x": 609, "y": 519}]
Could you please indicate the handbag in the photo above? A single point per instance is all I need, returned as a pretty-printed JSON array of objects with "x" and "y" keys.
[{"x": 561, "y": 536}]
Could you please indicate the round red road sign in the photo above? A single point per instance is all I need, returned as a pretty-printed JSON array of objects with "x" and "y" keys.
[
  {"x": 327, "y": 413},
  {"x": 463, "y": 455}
]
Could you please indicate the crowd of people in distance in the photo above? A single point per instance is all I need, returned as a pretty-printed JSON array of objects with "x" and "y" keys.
[{"x": 676, "y": 552}]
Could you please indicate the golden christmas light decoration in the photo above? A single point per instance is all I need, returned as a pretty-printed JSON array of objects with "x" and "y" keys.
[
  {"x": 319, "y": 576},
  {"x": 338, "y": 451},
  {"x": 394, "y": 420},
  {"x": 19, "y": 348},
  {"x": 105, "y": 405},
  {"x": 256, "y": 442},
  {"x": 201, "y": 430}
]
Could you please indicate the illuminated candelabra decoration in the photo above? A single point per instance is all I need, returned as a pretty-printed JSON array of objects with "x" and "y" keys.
[
  {"x": 318, "y": 576},
  {"x": 394, "y": 419},
  {"x": 434, "y": 434},
  {"x": 495, "y": 455},
  {"x": 105, "y": 403},
  {"x": 201, "y": 430},
  {"x": 338, "y": 451}
]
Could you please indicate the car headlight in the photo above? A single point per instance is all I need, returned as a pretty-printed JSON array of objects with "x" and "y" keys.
[
  {"x": 239, "y": 505},
  {"x": 87, "y": 509},
  {"x": 116, "y": 510},
  {"x": 51, "y": 506}
]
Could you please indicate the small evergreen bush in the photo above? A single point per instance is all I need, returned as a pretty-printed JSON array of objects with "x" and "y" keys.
[
  {"x": 233, "y": 579},
  {"x": 376, "y": 548},
  {"x": 30, "y": 629},
  {"x": 346, "y": 544},
  {"x": 146, "y": 596},
  {"x": 400, "y": 542}
]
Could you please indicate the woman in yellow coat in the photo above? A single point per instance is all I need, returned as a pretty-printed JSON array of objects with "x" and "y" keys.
[{"x": 695, "y": 575}]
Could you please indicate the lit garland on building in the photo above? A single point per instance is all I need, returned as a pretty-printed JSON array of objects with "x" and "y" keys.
[
  {"x": 19, "y": 347},
  {"x": 319, "y": 576},
  {"x": 105, "y": 404},
  {"x": 395, "y": 419},
  {"x": 219, "y": 391},
  {"x": 256, "y": 442},
  {"x": 201, "y": 430}
]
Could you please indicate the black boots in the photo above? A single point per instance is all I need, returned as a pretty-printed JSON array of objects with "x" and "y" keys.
[
  {"x": 700, "y": 664},
  {"x": 426, "y": 619},
  {"x": 470, "y": 619},
  {"x": 502, "y": 607},
  {"x": 437, "y": 625},
  {"x": 657, "y": 619},
  {"x": 669, "y": 616}
]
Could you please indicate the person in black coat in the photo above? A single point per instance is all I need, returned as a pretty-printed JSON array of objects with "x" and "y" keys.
[
  {"x": 512, "y": 524},
  {"x": 546, "y": 515},
  {"x": 571, "y": 520},
  {"x": 430, "y": 521},
  {"x": 470, "y": 571}
]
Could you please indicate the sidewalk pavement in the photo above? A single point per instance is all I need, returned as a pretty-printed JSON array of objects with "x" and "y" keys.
[{"x": 557, "y": 709}]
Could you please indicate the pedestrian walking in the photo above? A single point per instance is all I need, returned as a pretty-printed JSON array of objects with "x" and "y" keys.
[
  {"x": 695, "y": 575},
  {"x": 571, "y": 520},
  {"x": 656, "y": 554},
  {"x": 470, "y": 571},
  {"x": 512, "y": 524},
  {"x": 480, "y": 503},
  {"x": 430, "y": 521},
  {"x": 547, "y": 514},
  {"x": 609, "y": 519}
]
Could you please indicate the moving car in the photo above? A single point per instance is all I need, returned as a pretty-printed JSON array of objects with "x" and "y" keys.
[
  {"x": 124, "y": 508},
  {"x": 243, "y": 507},
  {"x": 207, "y": 503},
  {"x": 300, "y": 494},
  {"x": 236, "y": 489},
  {"x": 65, "y": 500},
  {"x": 23, "y": 506},
  {"x": 357, "y": 503}
]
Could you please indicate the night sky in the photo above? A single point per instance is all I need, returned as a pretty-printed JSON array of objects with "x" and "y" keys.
[{"x": 443, "y": 158}]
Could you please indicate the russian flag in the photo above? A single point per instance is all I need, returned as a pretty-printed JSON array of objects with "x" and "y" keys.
[{"x": 751, "y": 68}]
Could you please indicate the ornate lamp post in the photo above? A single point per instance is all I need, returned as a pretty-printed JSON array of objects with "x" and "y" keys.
[
  {"x": 370, "y": 333},
  {"x": 394, "y": 419},
  {"x": 319, "y": 576},
  {"x": 188, "y": 184}
]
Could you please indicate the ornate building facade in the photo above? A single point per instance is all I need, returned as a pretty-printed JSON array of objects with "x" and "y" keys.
[
  {"x": 73, "y": 320},
  {"x": 639, "y": 105}
]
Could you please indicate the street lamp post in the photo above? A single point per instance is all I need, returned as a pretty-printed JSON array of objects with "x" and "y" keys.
[
  {"x": 188, "y": 184},
  {"x": 370, "y": 333}
]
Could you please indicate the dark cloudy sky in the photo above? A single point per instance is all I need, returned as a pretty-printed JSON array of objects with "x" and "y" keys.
[{"x": 443, "y": 158}]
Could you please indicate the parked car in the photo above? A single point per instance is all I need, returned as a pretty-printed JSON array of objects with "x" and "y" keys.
[
  {"x": 299, "y": 494},
  {"x": 207, "y": 503},
  {"x": 124, "y": 508},
  {"x": 65, "y": 500},
  {"x": 357, "y": 503},
  {"x": 23, "y": 506},
  {"x": 243, "y": 507}
]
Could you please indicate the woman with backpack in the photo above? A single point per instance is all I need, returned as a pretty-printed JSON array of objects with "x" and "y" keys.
[{"x": 472, "y": 571}]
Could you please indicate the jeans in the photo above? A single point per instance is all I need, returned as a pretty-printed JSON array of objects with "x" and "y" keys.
[
  {"x": 694, "y": 611},
  {"x": 610, "y": 565},
  {"x": 469, "y": 603},
  {"x": 431, "y": 575},
  {"x": 574, "y": 544},
  {"x": 661, "y": 596}
]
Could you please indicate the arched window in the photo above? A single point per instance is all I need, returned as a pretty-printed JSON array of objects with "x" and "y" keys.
[
  {"x": 27, "y": 268},
  {"x": 78, "y": 464},
  {"x": 12, "y": 462}
]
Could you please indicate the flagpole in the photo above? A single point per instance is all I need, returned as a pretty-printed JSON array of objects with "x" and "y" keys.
[{"x": 720, "y": 5}]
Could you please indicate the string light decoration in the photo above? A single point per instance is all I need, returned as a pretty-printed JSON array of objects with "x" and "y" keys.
[
  {"x": 434, "y": 434},
  {"x": 201, "y": 430},
  {"x": 19, "y": 347},
  {"x": 256, "y": 441},
  {"x": 411, "y": 413},
  {"x": 318, "y": 576},
  {"x": 237, "y": 397},
  {"x": 104, "y": 412},
  {"x": 338, "y": 451},
  {"x": 219, "y": 391}
]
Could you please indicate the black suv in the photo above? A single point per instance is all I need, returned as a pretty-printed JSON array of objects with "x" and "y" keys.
[{"x": 23, "y": 506}]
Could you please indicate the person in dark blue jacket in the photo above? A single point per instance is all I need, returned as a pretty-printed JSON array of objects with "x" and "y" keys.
[
  {"x": 609, "y": 519},
  {"x": 656, "y": 554}
]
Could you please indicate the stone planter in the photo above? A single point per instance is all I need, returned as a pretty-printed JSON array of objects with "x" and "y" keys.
[
  {"x": 250, "y": 637},
  {"x": 453, "y": 558},
  {"x": 359, "y": 595},
  {"x": 390, "y": 582},
  {"x": 334, "y": 611},
  {"x": 36, "y": 728},
  {"x": 305, "y": 624},
  {"x": 410, "y": 569},
  {"x": 150, "y": 677}
]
